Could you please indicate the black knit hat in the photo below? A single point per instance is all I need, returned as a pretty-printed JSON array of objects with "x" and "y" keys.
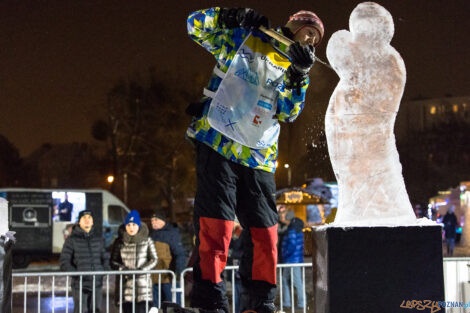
[
  {"x": 84, "y": 212},
  {"x": 159, "y": 215}
]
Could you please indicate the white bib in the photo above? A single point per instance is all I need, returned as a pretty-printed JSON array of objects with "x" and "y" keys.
[{"x": 244, "y": 105}]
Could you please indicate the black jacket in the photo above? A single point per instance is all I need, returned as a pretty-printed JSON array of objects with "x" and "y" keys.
[
  {"x": 450, "y": 225},
  {"x": 170, "y": 234},
  {"x": 84, "y": 252}
]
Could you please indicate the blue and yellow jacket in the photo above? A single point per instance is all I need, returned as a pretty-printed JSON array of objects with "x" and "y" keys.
[{"x": 204, "y": 29}]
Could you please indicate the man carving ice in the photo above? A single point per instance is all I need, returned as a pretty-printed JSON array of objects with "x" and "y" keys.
[
  {"x": 256, "y": 83},
  {"x": 360, "y": 119}
]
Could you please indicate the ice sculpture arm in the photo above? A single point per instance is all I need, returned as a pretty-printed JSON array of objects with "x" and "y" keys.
[
  {"x": 204, "y": 29},
  {"x": 290, "y": 103}
]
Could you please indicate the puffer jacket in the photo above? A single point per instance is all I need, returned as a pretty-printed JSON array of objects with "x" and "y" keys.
[
  {"x": 131, "y": 253},
  {"x": 293, "y": 242},
  {"x": 84, "y": 251}
]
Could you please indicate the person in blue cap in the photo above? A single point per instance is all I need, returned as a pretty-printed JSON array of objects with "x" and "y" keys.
[{"x": 135, "y": 251}]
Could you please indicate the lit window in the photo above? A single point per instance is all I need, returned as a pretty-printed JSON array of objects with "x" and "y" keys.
[
  {"x": 455, "y": 108},
  {"x": 433, "y": 110}
]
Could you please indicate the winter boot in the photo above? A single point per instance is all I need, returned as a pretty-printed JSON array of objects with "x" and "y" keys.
[{"x": 170, "y": 307}]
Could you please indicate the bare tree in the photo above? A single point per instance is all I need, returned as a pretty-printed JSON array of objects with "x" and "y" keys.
[{"x": 145, "y": 130}]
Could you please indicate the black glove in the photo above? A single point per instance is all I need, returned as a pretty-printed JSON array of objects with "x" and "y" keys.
[
  {"x": 302, "y": 59},
  {"x": 248, "y": 19}
]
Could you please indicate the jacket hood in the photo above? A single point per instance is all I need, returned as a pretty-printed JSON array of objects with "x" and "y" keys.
[
  {"x": 297, "y": 224},
  {"x": 141, "y": 235},
  {"x": 77, "y": 231}
]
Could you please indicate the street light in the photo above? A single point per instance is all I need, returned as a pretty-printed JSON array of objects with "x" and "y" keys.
[
  {"x": 289, "y": 174},
  {"x": 110, "y": 179}
]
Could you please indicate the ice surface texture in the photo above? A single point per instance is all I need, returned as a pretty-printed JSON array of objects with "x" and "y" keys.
[{"x": 360, "y": 118}]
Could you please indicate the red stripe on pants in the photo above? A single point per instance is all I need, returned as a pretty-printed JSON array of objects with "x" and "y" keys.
[
  {"x": 264, "y": 253},
  {"x": 214, "y": 239}
]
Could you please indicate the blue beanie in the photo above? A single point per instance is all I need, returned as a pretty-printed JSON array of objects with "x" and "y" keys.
[{"x": 132, "y": 217}]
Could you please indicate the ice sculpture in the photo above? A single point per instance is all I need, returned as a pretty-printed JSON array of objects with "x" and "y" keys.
[{"x": 360, "y": 118}]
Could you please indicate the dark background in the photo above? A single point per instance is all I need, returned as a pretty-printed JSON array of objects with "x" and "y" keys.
[{"x": 59, "y": 60}]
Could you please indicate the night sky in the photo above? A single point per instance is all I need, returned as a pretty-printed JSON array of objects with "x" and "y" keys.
[{"x": 58, "y": 58}]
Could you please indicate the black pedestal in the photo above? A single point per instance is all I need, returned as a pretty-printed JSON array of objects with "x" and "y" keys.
[{"x": 375, "y": 269}]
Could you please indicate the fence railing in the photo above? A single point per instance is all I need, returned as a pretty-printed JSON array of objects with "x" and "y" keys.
[
  {"x": 457, "y": 282},
  {"x": 281, "y": 283},
  {"x": 105, "y": 275},
  {"x": 456, "y": 278}
]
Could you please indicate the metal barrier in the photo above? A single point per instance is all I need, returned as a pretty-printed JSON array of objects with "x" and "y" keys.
[
  {"x": 106, "y": 277},
  {"x": 456, "y": 282},
  {"x": 456, "y": 279},
  {"x": 280, "y": 267}
]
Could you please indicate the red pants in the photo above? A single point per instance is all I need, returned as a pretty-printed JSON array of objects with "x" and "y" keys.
[{"x": 226, "y": 189}]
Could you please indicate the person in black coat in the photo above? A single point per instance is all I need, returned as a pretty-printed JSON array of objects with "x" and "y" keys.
[
  {"x": 450, "y": 227},
  {"x": 84, "y": 250},
  {"x": 65, "y": 210},
  {"x": 167, "y": 234}
]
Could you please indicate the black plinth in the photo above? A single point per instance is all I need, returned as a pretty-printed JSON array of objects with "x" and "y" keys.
[{"x": 375, "y": 269}]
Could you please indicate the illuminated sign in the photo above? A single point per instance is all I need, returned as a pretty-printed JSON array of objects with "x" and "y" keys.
[{"x": 294, "y": 196}]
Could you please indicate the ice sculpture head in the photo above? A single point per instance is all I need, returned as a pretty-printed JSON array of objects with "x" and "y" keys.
[{"x": 371, "y": 23}]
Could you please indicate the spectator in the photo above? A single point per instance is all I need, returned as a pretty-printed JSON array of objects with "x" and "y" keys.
[
  {"x": 135, "y": 251},
  {"x": 84, "y": 250},
  {"x": 65, "y": 210},
  {"x": 171, "y": 255},
  {"x": 285, "y": 216},
  {"x": 450, "y": 226},
  {"x": 292, "y": 247}
]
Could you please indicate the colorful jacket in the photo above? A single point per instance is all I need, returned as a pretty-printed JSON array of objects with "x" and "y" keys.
[{"x": 223, "y": 43}]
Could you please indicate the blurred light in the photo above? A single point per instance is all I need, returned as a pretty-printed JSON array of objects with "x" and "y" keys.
[
  {"x": 286, "y": 165},
  {"x": 294, "y": 196},
  {"x": 455, "y": 108},
  {"x": 277, "y": 164},
  {"x": 433, "y": 110},
  {"x": 110, "y": 179}
]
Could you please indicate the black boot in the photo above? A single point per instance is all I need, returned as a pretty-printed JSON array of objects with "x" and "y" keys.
[
  {"x": 265, "y": 307},
  {"x": 170, "y": 307}
]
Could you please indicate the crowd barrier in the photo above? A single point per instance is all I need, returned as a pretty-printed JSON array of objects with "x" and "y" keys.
[{"x": 456, "y": 278}]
